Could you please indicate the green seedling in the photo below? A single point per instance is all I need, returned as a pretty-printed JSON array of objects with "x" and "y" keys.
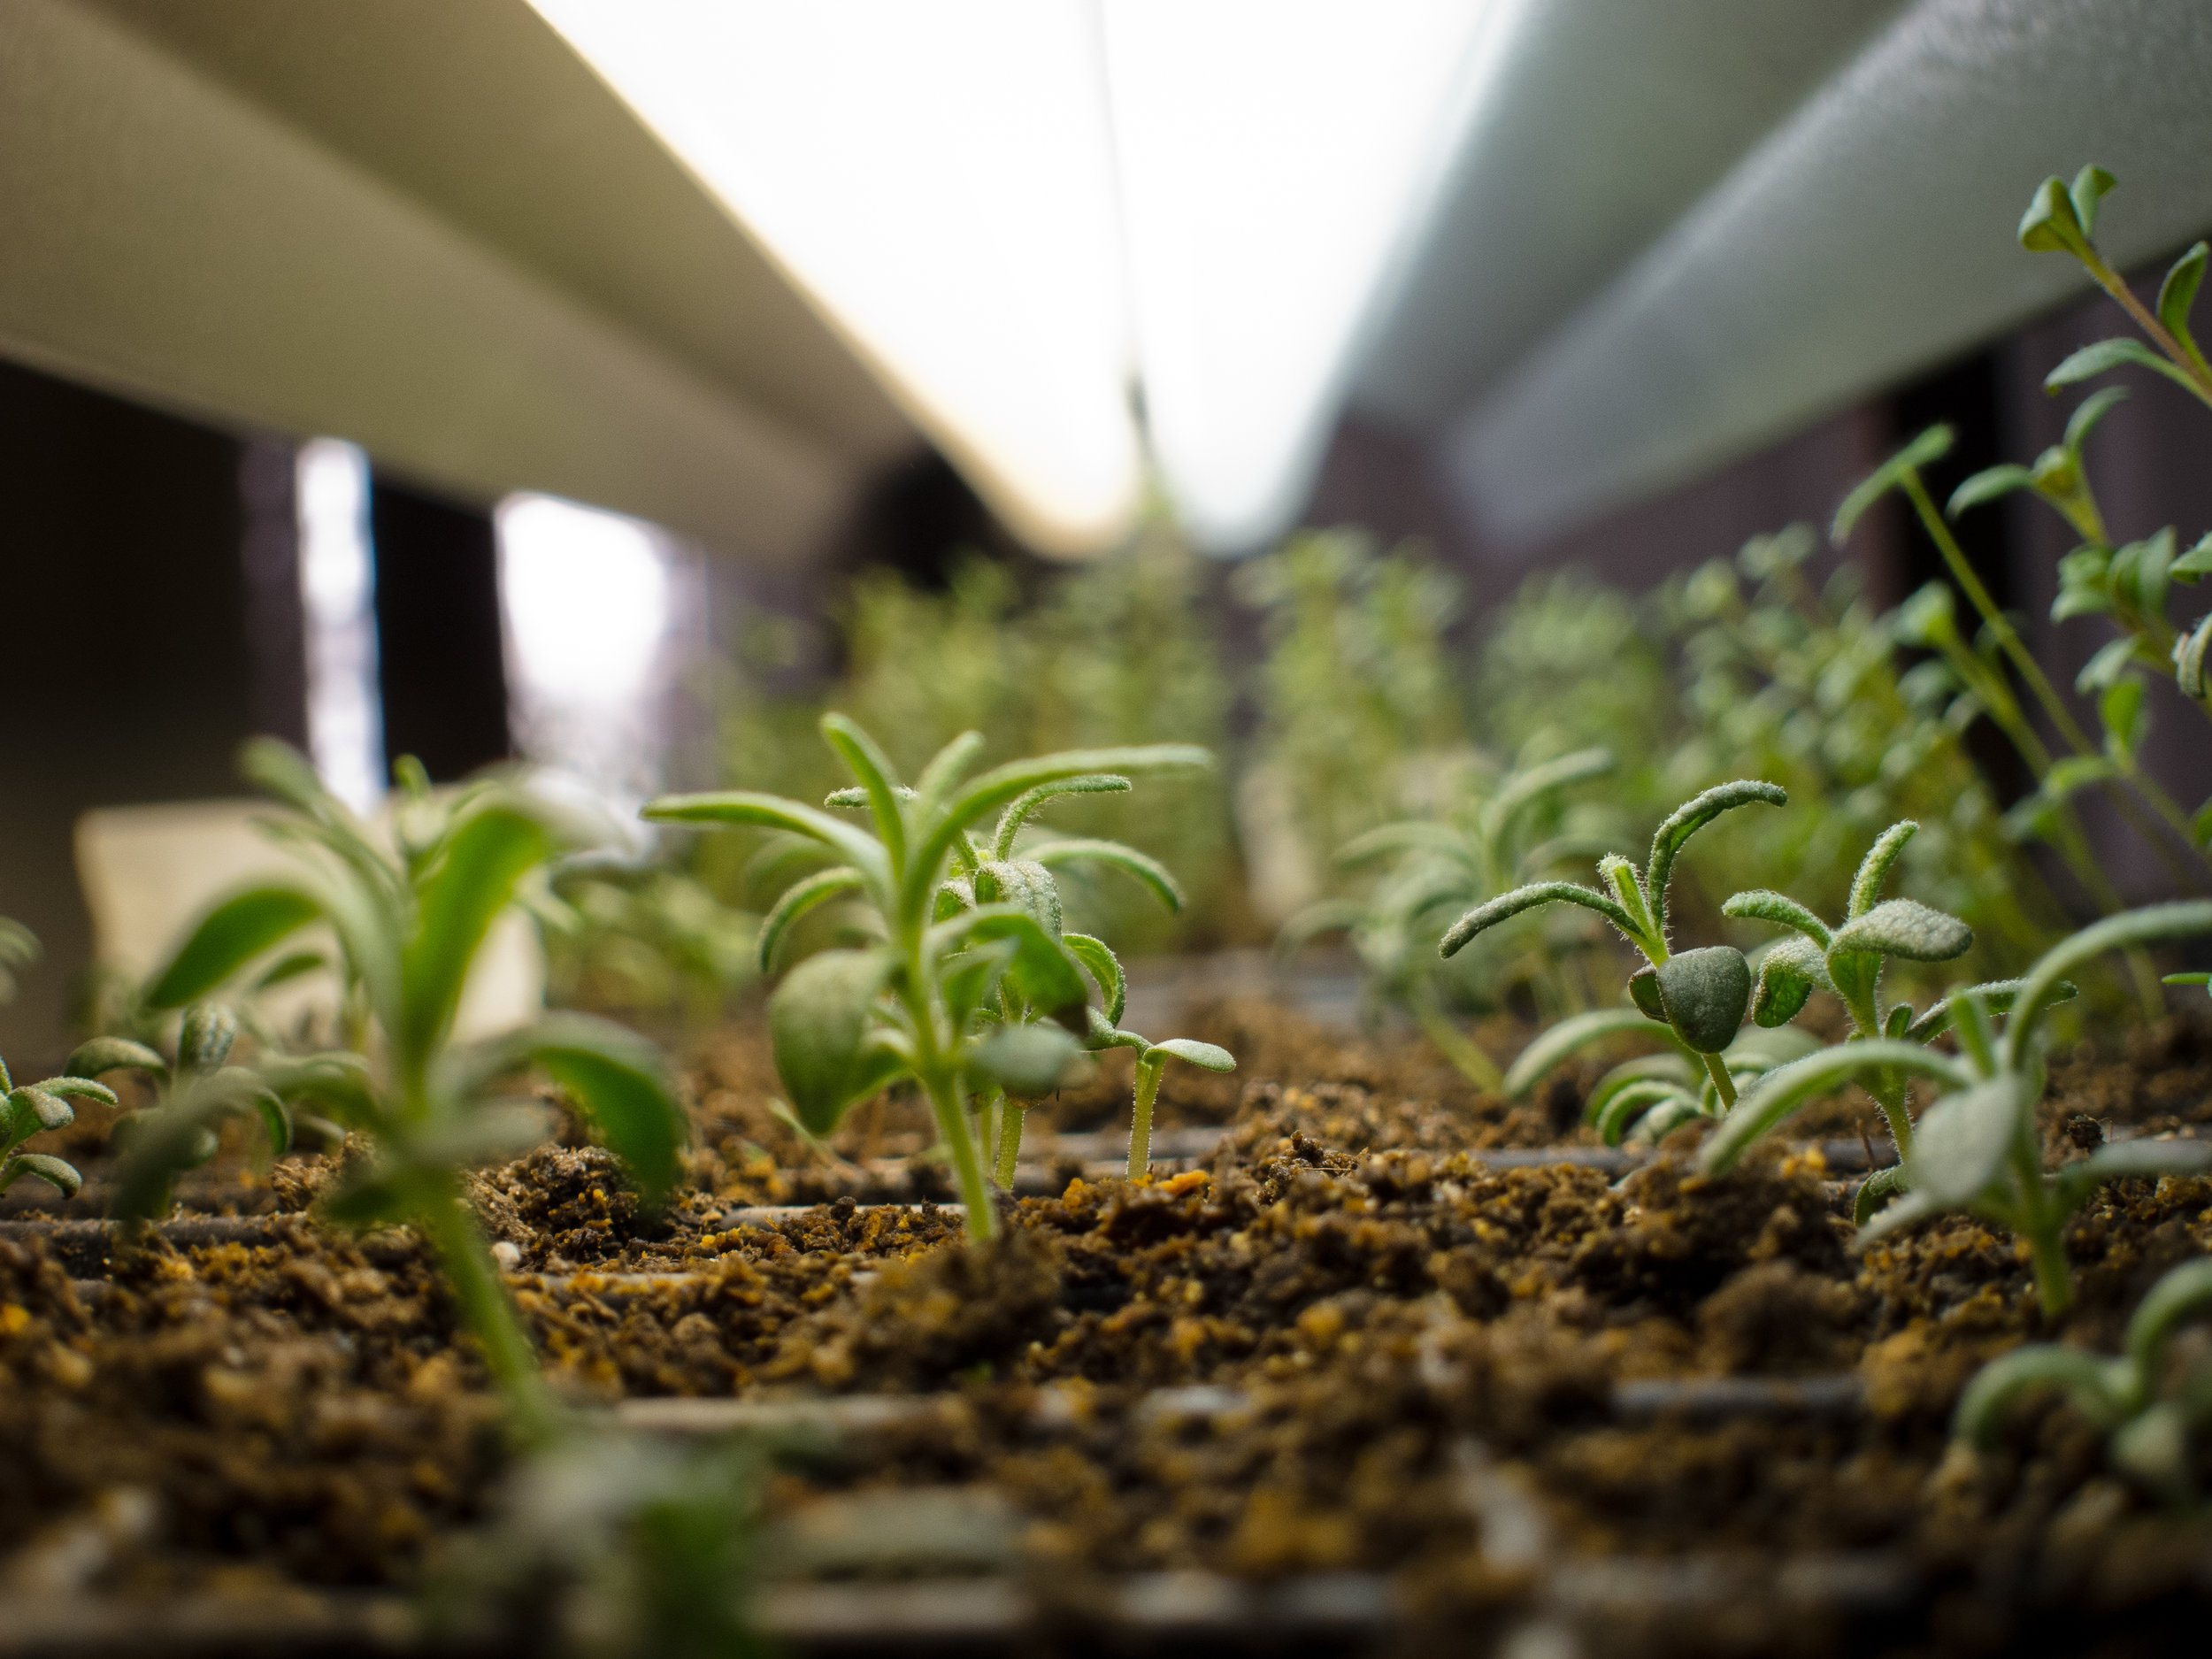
[
  {"x": 1847, "y": 961},
  {"x": 2114, "y": 764},
  {"x": 33, "y": 1107},
  {"x": 178, "y": 1133},
  {"x": 409, "y": 923},
  {"x": 2150, "y": 1418},
  {"x": 2062, "y": 218},
  {"x": 1700, "y": 995},
  {"x": 973, "y": 986},
  {"x": 1434, "y": 868},
  {"x": 1977, "y": 1148}
]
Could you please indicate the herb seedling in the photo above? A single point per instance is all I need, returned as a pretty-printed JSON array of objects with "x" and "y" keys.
[
  {"x": 33, "y": 1107},
  {"x": 2149, "y": 1419},
  {"x": 1977, "y": 1148},
  {"x": 1847, "y": 961},
  {"x": 1699, "y": 996},
  {"x": 1434, "y": 869},
  {"x": 409, "y": 925},
  {"x": 973, "y": 986}
]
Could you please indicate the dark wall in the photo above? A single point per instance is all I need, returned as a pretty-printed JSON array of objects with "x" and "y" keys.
[
  {"x": 438, "y": 634},
  {"x": 129, "y": 676}
]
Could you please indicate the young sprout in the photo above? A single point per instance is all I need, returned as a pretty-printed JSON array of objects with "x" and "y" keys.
[
  {"x": 1847, "y": 961},
  {"x": 1977, "y": 1148},
  {"x": 974, "y": 988},
  {"x": 1699, "y": 996},
  {"x": 31, "y": 1107},
  {"x": 2064, "y": 219},
  {"x": 409, "y": 925},
  {"x": 2149, "y": 1419},
  {"x": 1434, "y": 868}
]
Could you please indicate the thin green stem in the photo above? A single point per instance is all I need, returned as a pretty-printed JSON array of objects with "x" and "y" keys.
[
  {"x": 2062, "y": 718},
  {"x": 1148, "y": 1090},
  {"x": 967, "y": 1168},
  {"x": 2188, "y": 362},
  {"x": 487, "y": 1311},
  {"x": 2053, "y": 1277},
  {"x": 1890, "y": 1097},
  {"x": 1010, "y": 1141},
  {"x": 1722, "y": 1084}
]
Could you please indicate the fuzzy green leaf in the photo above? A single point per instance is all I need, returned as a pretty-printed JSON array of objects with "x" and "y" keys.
[
  {"x": 56, "y": 1174},
  {"x": 1643, "y": 990},
  {"x": 1204, "y": 1055},
  {"x": 1789, "y": 972},
  {"x": 1876, "y": 1191},
  {"x": 1023, "y": 884},
  {"x": 1706, "y": 993},
  {"x": 855, "y": 846},
  {"x": 798, "y": 899},
  {"x": 1873, "y": 872},
  {"x": 2092, "y": 410},
  {"x": 1578, "y": 1031},
  {"x": 1996, "y": 997},
  {"x": 1508, "y": 906},
  {"x": 97, "y": 1055},
  {"x": 1931, "y": 445},
  {"x": 67, "y": 1087},
  {"x": 818, "y": 1024},
  {"x": 1148, "y": 872},
  {"x": 1039, "y": 967},
  {"x": 2039, "y": 989},
  {"x": 1905, "y": 928},
  {"x": 230, "y": 936},
  {"x": 1100, "y": 962},
  {"x": 205, "y": 1039},
  {"x": 1686, "y": 819},
  {"x": 1962, "y": 1140},
  {"x": 1027, "y": 1060},
  {"x": 35, "y": 1109},
  {"x": 1761, "y": 905},
  {"x": 1011, "y": 821},
  {"x": 1782, "y": 1090}
]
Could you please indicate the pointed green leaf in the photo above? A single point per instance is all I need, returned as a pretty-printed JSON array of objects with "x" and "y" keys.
[
  {"x": 2052, "y": 223},
  {"x": 1686, "y": 819},
  {"x": 1146, "y": 871},
  {"x": 1876, "y": 1191},
  {"x": 2104, "y": 668},
  {"x": 2122, "y": 351},
  {"x": 2091, "y": 186},
  {"x": 1996, "y": 997},
  {"x": 1625, "y": 1105},
  {"x": 1931, "y": 446},
  {"x": 1873, "y": 872},
  {"x": 872, "y": 768},
  {"x": 2195, "y": 563},
  {"x": 230, "y": 936},
  {"x": 1990, "y": 484},
  {"x": 474, "y": 880},
  {"x": 2039, "y": 990},
  {"x": 97, "y": 1055},
  {"x": 34, "y": 1106},
  {"x": 1781, "y": 1092},
  {"x": 61, "y": 1176},
  {"x": 2125, "y": 720},
  {"x": 77, "y": 1089},
  {"x": 2092, "y": 410},
  {"x": 2179, "y": 293},
  {"x": 1103, "y": 966},
  {"x": 855, "y": 845},
  {"x": 1508, "y": 906},
  {"x": 1760, "y": 905},
  {"x": 1016, "y": 814},
  {"x": 1040, "y": 969},
  {"x": 1578, "y": 1031},
  {"x": 620, "y": 1083},
  {"x": 1789, "y": 972},
  {"x": 801, "y": 897}
]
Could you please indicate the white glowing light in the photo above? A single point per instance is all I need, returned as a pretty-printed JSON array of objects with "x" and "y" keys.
[
  {"x": 939, "y": 178},
  {"x": 1277, "y": 158},
  {"x": 585, "y": 596},
  {"x": 337, "y": 573}
]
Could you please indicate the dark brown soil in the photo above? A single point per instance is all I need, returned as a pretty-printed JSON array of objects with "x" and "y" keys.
[{"x": 1385, "y": 1324}]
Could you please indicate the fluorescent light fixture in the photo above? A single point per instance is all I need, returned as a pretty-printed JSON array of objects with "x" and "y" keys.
[
  {"x": 588, "y": 604},
  {"x": 1277, "y": 159},
  {"x": 939, "y": 178},
  {"x": 337, "y": 566}
]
